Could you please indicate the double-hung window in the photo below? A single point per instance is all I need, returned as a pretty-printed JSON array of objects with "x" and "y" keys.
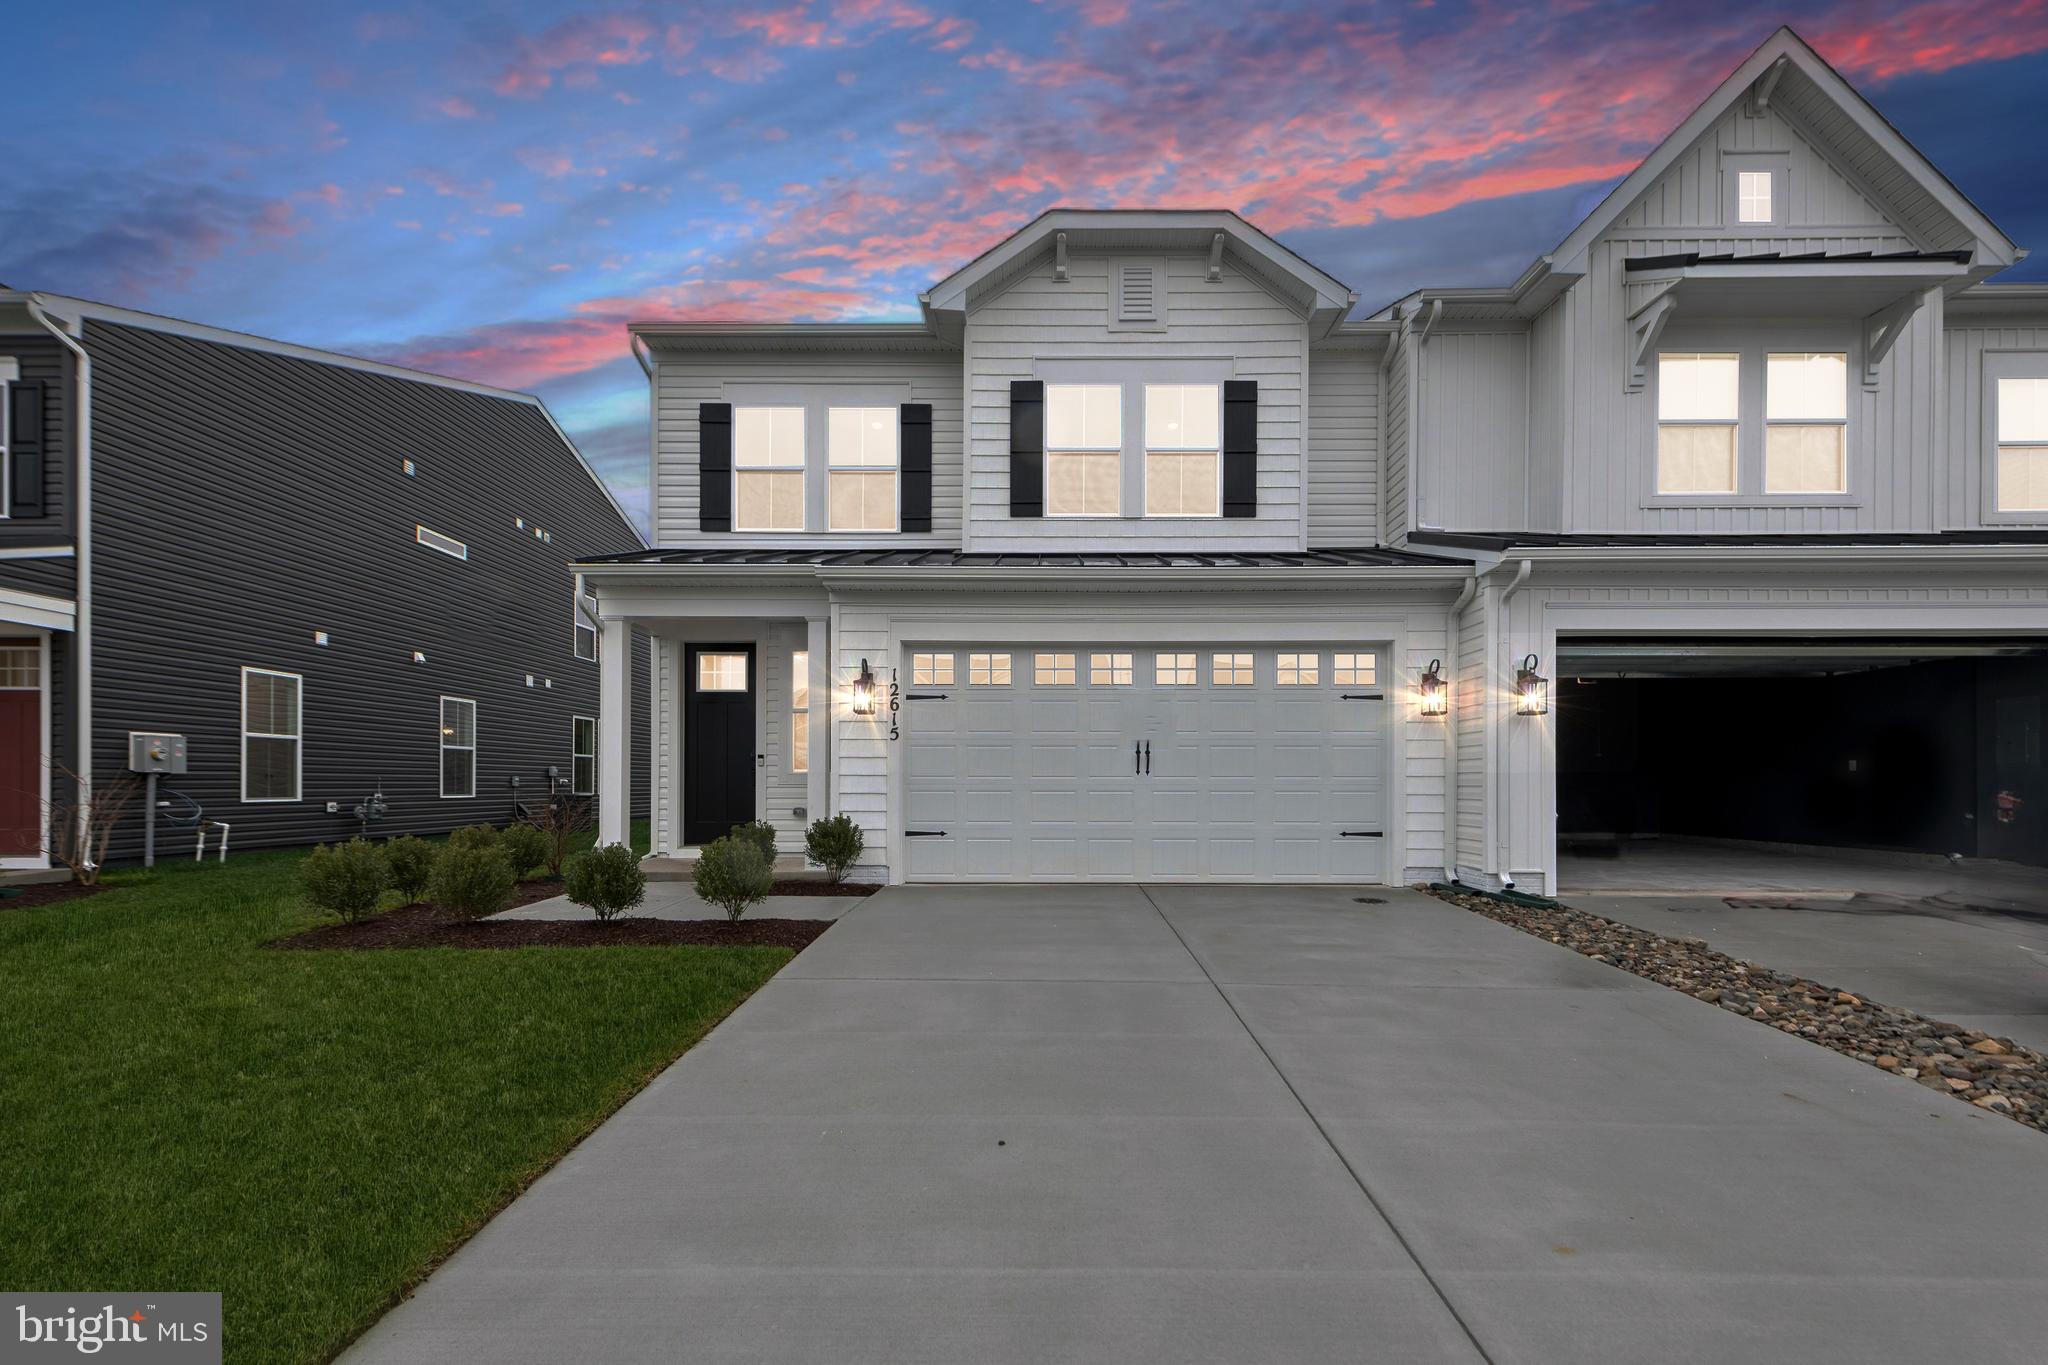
[
  {"x": 586, "y": 630},
  {"x": 1084, "y": 439},
  {"x": 458, "y": 746},
  {"x": 271, "y": 743},
  {"x": 860, "y": 459},
  {"x": 1183, "y": 450},
  {"x": 582, "y": 755},
  {"x": 768, "y": 469},
  {"x": 1698, "y": 411},
  {"x": 2018, "y": 427},
  {"x": 1806, "y": 422}
]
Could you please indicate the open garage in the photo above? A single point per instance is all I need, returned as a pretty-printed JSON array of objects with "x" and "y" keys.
[{"x": 1677, "y": 753}]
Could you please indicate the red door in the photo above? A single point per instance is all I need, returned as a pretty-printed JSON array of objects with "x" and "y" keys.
[{"x": 21, "y": 748}]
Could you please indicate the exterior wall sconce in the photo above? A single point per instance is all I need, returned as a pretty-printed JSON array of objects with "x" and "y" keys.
[
  {"x": 1532, "y": 690},
  {"x": 1433, "y": 693},
  {"x": 864, "y": 691}
]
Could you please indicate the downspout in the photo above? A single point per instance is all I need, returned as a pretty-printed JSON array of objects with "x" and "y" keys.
[
  {"x": 1452, "y": 624},
  {"x": 81, "y": 636},
  {"x": 1500, "y": 773}
]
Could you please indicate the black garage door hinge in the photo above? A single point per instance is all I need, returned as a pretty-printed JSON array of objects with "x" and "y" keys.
[
  {"x": 924, "y": 834},
  {"x": 924, "y": 696},
  {"x": 1362, "y": 833},
  {"x": 1364, "y": 696}
]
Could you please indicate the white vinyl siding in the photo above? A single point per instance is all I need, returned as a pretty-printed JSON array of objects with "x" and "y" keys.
[
  {"x": 1343, "y": 448},
  {"x": 458, "y": 747},
  {"x": 273, "y": 747}
]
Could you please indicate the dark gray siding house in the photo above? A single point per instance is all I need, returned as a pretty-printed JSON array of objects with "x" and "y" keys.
[{"x": 334, "y": 577}]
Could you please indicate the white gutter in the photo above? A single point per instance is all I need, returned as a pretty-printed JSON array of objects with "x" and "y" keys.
[
  {"x": 1500, "y": 766},
  {"x": 81, "y": 516},
  {"x": 1452, "y": 622}
]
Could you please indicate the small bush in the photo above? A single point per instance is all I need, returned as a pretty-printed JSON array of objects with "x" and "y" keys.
[
  {"x": 835, "y": 844},
  {"x": 761, "y": 835},
  {"x": 524, "y": 847},
  {"x": 608, "y": 881},
  {"x": 412, "y": 866},
  {"x": 732, "y": 875},
  {"x": 474, "y": 836},
  {"x": 345, "y": 879},
  {"x": 558, "y": 822},
  {"x": 472, "y": 881}
]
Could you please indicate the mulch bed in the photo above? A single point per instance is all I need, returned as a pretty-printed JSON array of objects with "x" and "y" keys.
[
  {"x": 47, "y": 893},
  {"x": 429, "y": 926},
  {"x": 1995, "y": 1074},
  {"x": 816, "y": 888}
]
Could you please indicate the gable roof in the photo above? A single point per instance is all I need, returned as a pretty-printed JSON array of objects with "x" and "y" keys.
[
  {"x": 1799, "y": 80},
  {"x": 1323, "y": 297}
]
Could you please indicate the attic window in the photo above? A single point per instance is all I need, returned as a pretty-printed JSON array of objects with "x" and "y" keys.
[
  {"x": 1753, "y": 196},
  {"x": 1138, "y": 301},
  {"x": 1756, "y": 189}
]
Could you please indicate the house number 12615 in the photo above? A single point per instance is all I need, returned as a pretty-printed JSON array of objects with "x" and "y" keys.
[{"x": 895, "y": 705}]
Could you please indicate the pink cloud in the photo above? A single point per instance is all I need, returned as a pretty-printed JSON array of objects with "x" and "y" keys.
[
  {"x": 1928, "y": 36},
  {"x": 571, "y": 47},
  {"x": 455, "y": 106}
]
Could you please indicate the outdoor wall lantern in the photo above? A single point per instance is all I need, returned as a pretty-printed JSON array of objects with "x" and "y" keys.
[
  {"x": 864, "y": 691},
  {"x": 1434, "y": 694},
  {"x": 1532, "y": 690}
]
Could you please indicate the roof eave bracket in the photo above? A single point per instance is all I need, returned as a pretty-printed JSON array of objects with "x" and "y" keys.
[
  {"x": 1644, "y": 328},
  {"x": 1760, "y": 93},
  {"x": 1059, "y": 258},
  {"x": 1881, "y": 332},
  {"x": 1216, "y": 259}
]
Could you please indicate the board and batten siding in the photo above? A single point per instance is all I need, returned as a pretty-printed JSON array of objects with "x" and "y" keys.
[
  {"x": 1472, "y": 461},
  {"x": 245, "y": 500},
  {"x": 1343, "y": 448},
  {"x": 1967, "y": 449},
  {"x": 1235, "y": 320},
  {"x": 686, "y": 379}
]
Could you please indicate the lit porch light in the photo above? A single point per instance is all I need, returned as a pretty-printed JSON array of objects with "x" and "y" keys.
[
  {"x": 864, "y": 691},
  {"x": 1433, "y": 694},
  {"x": 1532, "y": 690}
]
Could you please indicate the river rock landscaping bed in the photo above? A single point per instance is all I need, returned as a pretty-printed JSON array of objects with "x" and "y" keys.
[
  {"x": 1994, "y": 1074},
  {"x": 429, "y": 926}
]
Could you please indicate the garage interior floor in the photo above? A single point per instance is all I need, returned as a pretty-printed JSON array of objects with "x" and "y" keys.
[{"x": 1655, "y": 867}]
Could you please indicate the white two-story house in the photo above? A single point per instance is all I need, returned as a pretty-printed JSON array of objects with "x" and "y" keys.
[{"x": 1139, "y": 556}]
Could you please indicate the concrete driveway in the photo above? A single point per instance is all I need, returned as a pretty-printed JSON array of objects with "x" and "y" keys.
[{"x": 1250, "y": 1124}]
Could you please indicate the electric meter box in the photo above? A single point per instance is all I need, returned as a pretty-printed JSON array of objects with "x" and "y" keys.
[{"x": 153, "y": 753}]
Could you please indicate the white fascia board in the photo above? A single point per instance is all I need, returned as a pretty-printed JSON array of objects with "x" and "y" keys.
[
  {"x": 1078, "y": 579},
  {"x": 780, "y": 336},
  {"x": 1650, "y": 557},
  {"x": 38, "y": 552},
  {"x": 36, "y": 610}
]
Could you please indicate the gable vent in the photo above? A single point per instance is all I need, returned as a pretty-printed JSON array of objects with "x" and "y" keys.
[{"x": 1137, "y": 287}]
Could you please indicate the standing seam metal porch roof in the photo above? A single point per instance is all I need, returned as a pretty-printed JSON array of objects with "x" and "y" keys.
[{"x": 1375, "y": 557}]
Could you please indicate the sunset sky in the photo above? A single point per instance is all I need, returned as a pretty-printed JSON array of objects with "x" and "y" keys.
[{"x": 492, "y": 190}]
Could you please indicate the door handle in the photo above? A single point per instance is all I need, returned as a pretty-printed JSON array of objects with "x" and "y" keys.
[
  {"x": 1136, "y": 768},
  {"x": 1148, "y": 758}
]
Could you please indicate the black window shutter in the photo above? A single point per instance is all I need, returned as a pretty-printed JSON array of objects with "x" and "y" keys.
[
  {"x": 25, "y": 447},
  {"x": 714, "y": 466},
  {"x": 1027, "y": 448},
  {"x": 1240, "y": 447},
  {"x": 914, "y": 459}
]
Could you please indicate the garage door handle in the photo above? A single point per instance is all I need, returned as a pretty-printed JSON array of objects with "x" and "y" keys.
[
  {"x": 1148, "y": 758},
  {"x": 1361, "y": 833},
  {"x": 1137, "y": 764},
  {"x": 924, "y": 834}
]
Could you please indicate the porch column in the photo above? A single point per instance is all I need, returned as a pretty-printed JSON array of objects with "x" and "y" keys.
[
  {"x": 615, "y": 733},
  {"x": 818, "y": 787}
]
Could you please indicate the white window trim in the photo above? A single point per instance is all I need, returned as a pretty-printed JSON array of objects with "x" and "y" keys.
[
  {"x": 1997, "y": 365},
  {"x": 894, "y": 471},
  {"x": 816, "y": 399},
  {"x": 1116, "y": 453},
  {"x": 1753, "y": 346},
  {"x": 440, "y": 542},
  {"x": 440, "y": 733},
  {"x": 298, "y": 740},
  {"x": 576, "y": 755},
  {"x": 1146, "y": 449},
  {"x": 799, "y": 762},
  {"x": 801, "y": 470}
]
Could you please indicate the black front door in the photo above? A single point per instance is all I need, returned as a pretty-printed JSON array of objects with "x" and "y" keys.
[{"x": 718, "y": 740}]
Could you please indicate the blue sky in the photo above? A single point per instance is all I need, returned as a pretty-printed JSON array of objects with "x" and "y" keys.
[{"x": 492, "y": 190}]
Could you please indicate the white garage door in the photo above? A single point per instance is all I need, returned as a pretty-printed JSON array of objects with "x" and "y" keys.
[{"x": 1182, "y": 763}]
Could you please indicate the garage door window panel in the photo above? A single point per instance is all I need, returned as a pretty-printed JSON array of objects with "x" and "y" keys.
[
  {"x": 988, "y": 670},
  {"x": 1174, "y": 670},
  {"x": 1232, "y": 670},
  {"x": 1084, "y": 426},
  {"x": 1109, "y": 670},
  {"x": 1053, "y": 670}
]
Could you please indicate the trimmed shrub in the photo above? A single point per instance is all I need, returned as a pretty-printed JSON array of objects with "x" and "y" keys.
[
  {"x": 412, "y": 866},
  {"x": 472, "y": 881},
  {"x": 474, "y": 836},
  {"x": 834, "y": 843},
  {"x": 608, "y": 881},
  {"x": 345, "y": 879},
  {"x": 524, "y": 847},
  {"x": 732, "y": 875},
  {"x": 558, "y": 822},
  {"x": 760, "y": 834}
]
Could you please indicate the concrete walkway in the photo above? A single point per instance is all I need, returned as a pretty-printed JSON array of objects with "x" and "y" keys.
[{"x": 1250, "y": 1124}]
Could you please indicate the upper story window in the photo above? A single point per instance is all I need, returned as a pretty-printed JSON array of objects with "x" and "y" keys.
[
  {"x": 586, "y": 632},
  {"x": 768, "y": 469},
  {"x": 2017, "y": 384},
  {"x": 435, "y": 540},
  {"x": 1753, "y": 197},
  {"x": 1752, "y": 421},
  {"x": 1183, "y": 450},
  {"x": 1806, "y": 422},
  {"x": 1084, "y": 440},
  {"x": 1698, "y": 406},
  {"x": 861, "y": 469}
]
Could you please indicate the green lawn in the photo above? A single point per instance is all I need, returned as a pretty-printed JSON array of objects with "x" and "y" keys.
[{"x": 308, "y": 1133}]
